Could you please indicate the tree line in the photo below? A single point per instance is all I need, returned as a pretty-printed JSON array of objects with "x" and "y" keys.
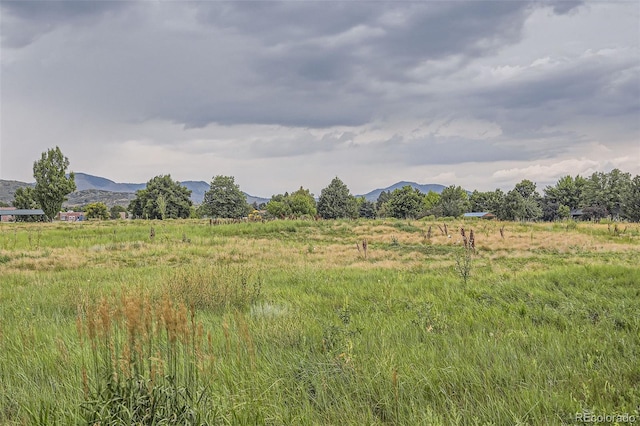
[{"x": 614, "y": 195}]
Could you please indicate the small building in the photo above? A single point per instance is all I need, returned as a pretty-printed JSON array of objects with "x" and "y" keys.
[
  {"x": 576, "y": 214},
  {"x": 71, "y": 216},
  {"x": 8, "y": 214},
  {"x": 479, "y": 215}
]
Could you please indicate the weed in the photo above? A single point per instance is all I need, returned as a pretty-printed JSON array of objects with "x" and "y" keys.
[
  {"x": 337, "y": 340},
  {"x": 214, "y": 288},
  {"x": 463, "y": 258},
  {"x": 365, "y": 246},
  {"x": 144, "y": 363}
]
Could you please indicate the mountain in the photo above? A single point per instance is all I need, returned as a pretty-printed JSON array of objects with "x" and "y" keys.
[
  {"x": 8, "y": 189},
  {"x": 198, "y": 188},
  {"x": 92, "y": 189},
  {"x": 110, "y": 198},
  {"x": 85, "y": 181},
  {"x": 373, "y": 195}
]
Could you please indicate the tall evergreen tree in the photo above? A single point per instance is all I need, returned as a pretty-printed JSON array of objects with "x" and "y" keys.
[{"x": 336, "y": 201}]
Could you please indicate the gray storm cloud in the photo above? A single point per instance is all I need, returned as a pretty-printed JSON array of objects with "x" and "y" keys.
[{"x": 330, "y": 84}]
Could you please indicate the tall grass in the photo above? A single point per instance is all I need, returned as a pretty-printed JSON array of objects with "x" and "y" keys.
[
  {"x": 144, "y": 364},
  {"x": 243, "y": 324}
]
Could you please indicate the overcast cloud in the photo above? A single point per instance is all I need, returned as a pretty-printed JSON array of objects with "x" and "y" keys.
[{"x": 280, "y": 94}]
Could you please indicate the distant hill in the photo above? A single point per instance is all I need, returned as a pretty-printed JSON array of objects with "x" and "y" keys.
[
  {"x": 110, "y": 198},
  {"x": 373, "y": 195},
  {"x": 93, "y": 189},
  {"x": 8, "y": 189},
  {"x": 85, "y": 181}
]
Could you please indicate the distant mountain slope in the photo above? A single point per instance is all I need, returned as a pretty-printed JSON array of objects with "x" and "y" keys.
[
  {"x": 8, "y": 189},
  {"x": 110, "y": 198},
  {"x": 85, "y": 181},
  {"x": 373, "y": 195},
  {"x": 92, "y": 189}
]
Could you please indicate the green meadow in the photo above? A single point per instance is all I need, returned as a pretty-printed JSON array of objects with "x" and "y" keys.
[{"x": 296, "y": 323}]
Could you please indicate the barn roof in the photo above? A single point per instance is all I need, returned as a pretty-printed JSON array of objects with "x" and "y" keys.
[
  {"x": 478, "y": 214},
  {"x": 21, "y": 212}
]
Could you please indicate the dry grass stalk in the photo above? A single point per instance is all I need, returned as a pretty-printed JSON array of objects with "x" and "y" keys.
[{"x": 364, "y": 247}]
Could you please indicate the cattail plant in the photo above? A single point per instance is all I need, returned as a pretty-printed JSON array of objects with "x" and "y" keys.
[
  {"x": 364, "y": 247},
  {"x": 464, "y": 237}
]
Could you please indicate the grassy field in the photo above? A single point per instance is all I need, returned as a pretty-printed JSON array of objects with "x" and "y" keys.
[{"x": 293, "y": 322}]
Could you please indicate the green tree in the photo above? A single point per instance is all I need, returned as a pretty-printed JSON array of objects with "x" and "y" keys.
[
  {"x": 366, "y": 209},
  {"x": 564, "y": 212},
  {"x": 453, "y": 202},
  {"x": 526, "y": 188},
  {"x": 522, "y": 203},
  {"x": 52, "y": 183},
  {"x": 336, "y": 201},
  {"x": 566, "y": 192},
  {"x": 115, "y": 211},
  {"x": 175, "y": 196},
  {"x": 382, "y": 198},
  {"x": 279, "y": 206},
  {"x": 302, "y": 203},
  {"x": 406, "y": 202},
  {"x": 430, "y": 200},
  {"x": 97, "y": 211},
  {"x": 491, "y": 201},
  {"x": 631, "y": 208},
  {"x": 24, "y": 198},
  {"x": 224, "y": 199},
  {"x": 606, "y": 191}
]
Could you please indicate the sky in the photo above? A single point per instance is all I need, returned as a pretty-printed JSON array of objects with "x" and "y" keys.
[{"x": 480, "y": 94}]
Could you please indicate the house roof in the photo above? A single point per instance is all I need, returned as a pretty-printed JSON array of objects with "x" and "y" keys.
[
  {"x": 21, "y": 212},
  {"x": 478, "y": 214}
]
